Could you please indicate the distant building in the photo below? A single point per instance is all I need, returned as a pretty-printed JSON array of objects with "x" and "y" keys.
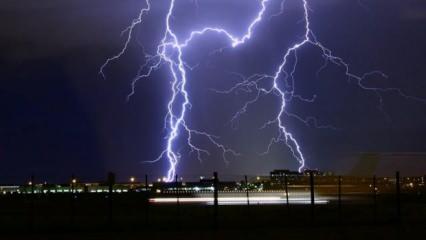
[
  {"x": 278, "y": 173},
  {"x": 204, "y": 185},
  {"x": 315, "y": 172},
  {"x": 278, "y": 176}
]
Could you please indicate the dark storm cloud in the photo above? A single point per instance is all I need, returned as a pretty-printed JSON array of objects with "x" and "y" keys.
[
  {"x": 415, "y": 11},
  {"x": 32, "y": 29},
  {"x": 60, "y": 117}
]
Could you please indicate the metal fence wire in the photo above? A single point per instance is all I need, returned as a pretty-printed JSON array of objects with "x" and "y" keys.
[{"x": 282, "y": 198}]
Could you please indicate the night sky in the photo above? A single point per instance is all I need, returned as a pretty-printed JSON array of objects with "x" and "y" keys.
[{"x": 59, "y": 116}]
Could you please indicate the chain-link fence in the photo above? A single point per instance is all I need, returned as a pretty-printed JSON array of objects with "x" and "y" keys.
[{"x": 283, "y": 198}]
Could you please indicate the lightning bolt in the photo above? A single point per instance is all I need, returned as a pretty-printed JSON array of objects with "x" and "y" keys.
[{"x": 170, "y": 53}]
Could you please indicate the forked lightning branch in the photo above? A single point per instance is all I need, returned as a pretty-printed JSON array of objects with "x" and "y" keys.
[{"x": 171, "y": 51}]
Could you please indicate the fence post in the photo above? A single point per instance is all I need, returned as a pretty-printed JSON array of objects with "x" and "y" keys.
[
  {"x": 111, "y": 182},
  {"x": 424, "y": 187},
  {"x": 340, "y": 198},
  {"x": 177, "y": 189},
  {"x": 247, "y": 190},
  {"x": 177, "y": 201},
  {"x": 73, "y": 182},
  {"x": 311, "y": 181},
  {"x": 248, "y": 198},
  {"x": 147, "y": 195},
  {"x": 216, "y": 200},
  {"x": 32, "y": 183},
  {"x": 286, "y": 193},
  {"x": 398, "y": 198},
  {"x": 374, "y": 199},
  {"x": 32, "y": 203}
]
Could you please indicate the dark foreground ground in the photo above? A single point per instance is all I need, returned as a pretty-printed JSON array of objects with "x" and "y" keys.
[
  {"x": 128, "y": 216},
  {"x": 329, "y": 233}
]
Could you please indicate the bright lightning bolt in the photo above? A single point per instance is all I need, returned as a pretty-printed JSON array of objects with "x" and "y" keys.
[{"x": 170, "y": 52}]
